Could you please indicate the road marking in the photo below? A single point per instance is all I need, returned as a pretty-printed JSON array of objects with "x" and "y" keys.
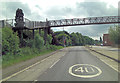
[
  {"x": 54, "y": 63},
  {"x": 19, "y": 72},
  {"x": 80, "y": 69},
  {"x": 43, "y": 60},
  {"x": 26, "y": 69},
  {"x": 110, "y": 66},
  {"x": 104, "y": 61},
  {"x": 35, "y": 80}
]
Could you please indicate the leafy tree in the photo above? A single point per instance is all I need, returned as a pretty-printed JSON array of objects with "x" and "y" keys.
[
  {"x": 61, "y": 38},
  {"x": 38, "y": 41},
  {"x": 10, "y": 41},
  {"x": 0, "y": 35},
  {"x": 100, "y": 40},
  {"x": 114, "y": 33},
  {"x": 80, "y": 38},
  {"x": 88, "y": 40},
  {"x": 75, "y": 39},
  {"x": 49, "y": 38}
]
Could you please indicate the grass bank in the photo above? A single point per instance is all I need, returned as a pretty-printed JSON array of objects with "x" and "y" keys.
[{"x": 26, "y": 54}]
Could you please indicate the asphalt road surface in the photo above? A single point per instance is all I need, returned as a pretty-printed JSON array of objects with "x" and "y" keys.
[
  {"x": 69, "y": 64},
  {"x": 79, "y": 65}
]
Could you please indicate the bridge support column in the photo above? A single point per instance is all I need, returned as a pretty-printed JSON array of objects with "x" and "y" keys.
[
  {"x": 33, "y": 33},
  {"x": 45, "y": 35},
  {"x": 49, "y": 31},
  {"x": 20, "y": 33},
  {"x": 3, "y": 24},
  {"x": 40, "y": 32}
]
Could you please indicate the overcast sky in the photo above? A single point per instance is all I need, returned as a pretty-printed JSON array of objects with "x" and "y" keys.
[{"x": 39, "y": 10}]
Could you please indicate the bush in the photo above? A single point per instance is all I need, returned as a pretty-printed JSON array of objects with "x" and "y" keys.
[
  {"x": 10, "y": 41},
  {"x": 115, "y": 34},
  {"x": 49, "y": 38},
  {"x": 0, "y": 36},
  {"x": 38, "y": 42}
]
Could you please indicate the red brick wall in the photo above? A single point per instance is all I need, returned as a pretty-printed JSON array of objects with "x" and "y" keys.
[{"x": 106, "y": 40}]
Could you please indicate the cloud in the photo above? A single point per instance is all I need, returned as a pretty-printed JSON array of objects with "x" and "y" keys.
[
  {"x": 90, "y": 30},
  {"x": 81, "y": 9},
  {"x": 86, "y": 9},
  {"x": 11, "y": 7},
  {"x": 57, "y": 12},
  {"x": 93, "y": 9},
  {"x": 9, "y": 10},
  {"x": 37, "y": 6},
  {"x": 78, "y": 10}
]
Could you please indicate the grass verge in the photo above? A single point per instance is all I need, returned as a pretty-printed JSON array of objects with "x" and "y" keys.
[{"x": 12, "y": 60}]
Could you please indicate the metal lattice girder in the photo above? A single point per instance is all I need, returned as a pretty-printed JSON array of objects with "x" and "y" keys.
[
  {"x": 67, "y": 22},
  {"x": 85, "y": 21}
]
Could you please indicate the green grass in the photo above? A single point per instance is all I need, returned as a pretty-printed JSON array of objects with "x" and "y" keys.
[{"x": 14, "y": 59}]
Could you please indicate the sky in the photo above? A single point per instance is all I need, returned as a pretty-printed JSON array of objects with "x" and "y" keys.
[{"x": 39, "y": 10}]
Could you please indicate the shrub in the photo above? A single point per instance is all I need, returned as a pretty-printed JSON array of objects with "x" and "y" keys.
[
  {"x": 115, "y": 34},
  {"x": 10, "y": 41},
  {"x": 38, "y": 42}
]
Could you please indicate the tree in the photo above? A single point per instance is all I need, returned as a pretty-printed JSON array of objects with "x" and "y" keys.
[
  {"x": 75, "y": 39},
  {"x": 88, "y": 40},
  {"x": 114, "y": 33},
  {"x": 10, "y": 41},
  {"x": 80, "y": 38},
  {"x": 38, "y": 41},
  {"x": 100, "y": 40}
]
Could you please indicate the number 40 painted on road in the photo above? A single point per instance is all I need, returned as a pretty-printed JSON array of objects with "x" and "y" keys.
[{"x": 85, "y": 69}]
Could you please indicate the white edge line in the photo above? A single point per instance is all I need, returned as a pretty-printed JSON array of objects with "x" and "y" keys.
[
  {"x": 110, "y": 66},
  {"x": 54, "y": 63},
  {"x": 18, "y": 72},
  {"x": 22, "y": 70},
  {"x": 35, "y": 80}
]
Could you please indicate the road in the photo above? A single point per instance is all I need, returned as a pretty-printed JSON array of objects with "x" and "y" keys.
[
  {"x": 70, "y": 64},
  {"x": 78, "y": 55}
]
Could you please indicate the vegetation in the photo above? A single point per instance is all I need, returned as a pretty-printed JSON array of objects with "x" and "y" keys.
[
  {"x": 73, "y": 39},
  {"x": 101, "y": 40},
  {"x": 10, "y": 42},
  {"x": 15, "y": 50},
  {"x": 115, "y": 34}
]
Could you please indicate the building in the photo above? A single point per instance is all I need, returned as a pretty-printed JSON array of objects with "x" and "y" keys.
[{"x": 106, "y": 40}]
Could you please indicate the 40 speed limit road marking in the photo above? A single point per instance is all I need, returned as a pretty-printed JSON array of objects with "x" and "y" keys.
[{"x": 84, "y": 70}]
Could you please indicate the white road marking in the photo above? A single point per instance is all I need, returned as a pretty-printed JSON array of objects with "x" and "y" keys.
[
  {"x": 110, "y": 66},
  {"x": 26, "y": 69},
  {"x": 54, "y": 63},
  {"x": 18, "y": 72},
  {"x": 104, "y": 61},
  {"x": 35, "y": 80},
  {"x": 85, "y": 76}
]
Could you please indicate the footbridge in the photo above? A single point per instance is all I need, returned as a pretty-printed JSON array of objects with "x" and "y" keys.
[{"x": 33, "y": 25}]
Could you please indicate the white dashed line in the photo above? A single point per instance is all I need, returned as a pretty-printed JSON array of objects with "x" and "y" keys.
[{"x": 54, "y": 63}]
